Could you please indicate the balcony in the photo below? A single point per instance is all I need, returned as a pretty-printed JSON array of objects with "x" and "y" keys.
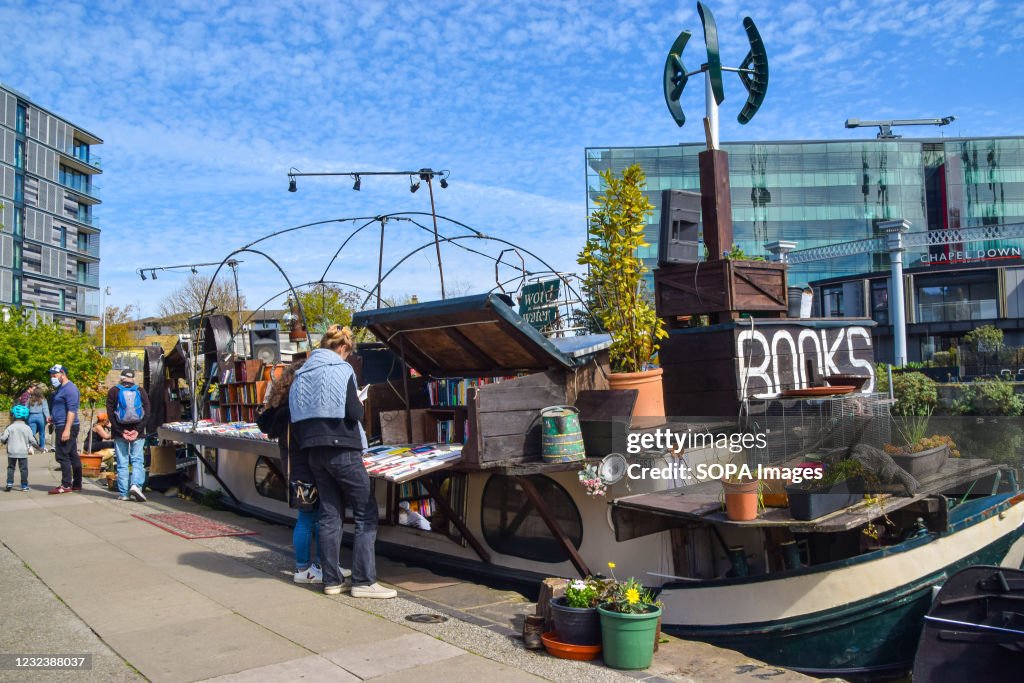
[
  {"x": 91, "y": 191},
  {"x": 89, "y": 221},
  {"x": 85, "y": 163},
  {"x": 953, "y": 311}
]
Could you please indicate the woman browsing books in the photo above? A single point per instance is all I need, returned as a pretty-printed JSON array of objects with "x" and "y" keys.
[{"x": 327, "y": 416}]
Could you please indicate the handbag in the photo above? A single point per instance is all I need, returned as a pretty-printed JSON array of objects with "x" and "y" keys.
[{"x": 302, "y": 495}]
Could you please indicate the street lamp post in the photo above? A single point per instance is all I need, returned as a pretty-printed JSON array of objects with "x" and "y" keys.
[{"x": 104, "y": 293}]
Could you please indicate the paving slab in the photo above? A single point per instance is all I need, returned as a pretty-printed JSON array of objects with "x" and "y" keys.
[
  {"x": 379, "y": 657},
  {"x": 462, "y": 669},
  {"x": 202, "y": 648},
  {"x": 35, "y": 621},
  {"x": 320, "y": 626},
  {"x": 311, "y": 669}
]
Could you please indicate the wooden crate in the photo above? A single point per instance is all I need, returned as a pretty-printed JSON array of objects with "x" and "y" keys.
[
  {"x": 719, "y": 287},
  {"x": 708, "y": 370},
  {"x": 504, "y": 419},
  {"x": 393, "y": 427}
]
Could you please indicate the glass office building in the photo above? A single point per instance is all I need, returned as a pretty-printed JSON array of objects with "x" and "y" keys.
[{"x": 817, "y": 193}]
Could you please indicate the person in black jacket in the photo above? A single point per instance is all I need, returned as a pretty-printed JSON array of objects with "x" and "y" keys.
[
  {"x": 275, "y": 422},
  {"x": 327, "y": 419}
]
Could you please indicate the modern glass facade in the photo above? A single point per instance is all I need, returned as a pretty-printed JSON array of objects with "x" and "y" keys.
[{"x": 818, "y": 193}]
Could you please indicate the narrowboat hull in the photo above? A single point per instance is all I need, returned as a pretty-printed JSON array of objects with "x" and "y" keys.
[{"x": 858, "y": 616}]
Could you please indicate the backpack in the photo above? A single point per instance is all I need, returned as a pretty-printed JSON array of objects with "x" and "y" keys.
[{"x": 129, "y": 405}]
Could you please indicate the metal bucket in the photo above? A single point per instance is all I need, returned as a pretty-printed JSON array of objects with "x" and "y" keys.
[{"x": 561, "y": 439}]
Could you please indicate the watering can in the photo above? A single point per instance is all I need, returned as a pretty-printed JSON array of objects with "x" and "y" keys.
[{"x": 561, "y": 439}]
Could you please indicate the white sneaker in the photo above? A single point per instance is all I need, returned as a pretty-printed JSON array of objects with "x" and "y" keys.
[
  {"x": 374, "y": 590},
  {"x": 310, "y": 575},
  {"x": 136, "y": 493},
  {"x": 335, "y": 590}
]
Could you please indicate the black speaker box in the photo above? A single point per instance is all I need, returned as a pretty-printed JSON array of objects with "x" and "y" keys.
[
  {"x": 264, "y": 346},
  {"x": 677, "y": 237}
]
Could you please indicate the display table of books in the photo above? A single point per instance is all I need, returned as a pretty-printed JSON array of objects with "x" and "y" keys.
[
  {"x": 236, "y": 436},
  {"x": 404, "y": 463}
]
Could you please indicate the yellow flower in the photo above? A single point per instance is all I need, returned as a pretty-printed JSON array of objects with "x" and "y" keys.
[
  {"x": 611, "y": 565},
  {"x": 632, "y": 596}
]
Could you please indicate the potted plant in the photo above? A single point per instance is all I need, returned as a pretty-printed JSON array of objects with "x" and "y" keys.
[
  {"x": 629, "y": 624},
  {"x": 615, "y": 285},
  {"x": 575, "y": 617},
  {"x": 741, "y": 497},
  {"x": 841, "y": 486},
  {"x": 921, "y": 455}
]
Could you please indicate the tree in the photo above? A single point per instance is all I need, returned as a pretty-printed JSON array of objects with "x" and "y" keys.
[
  {"x": 119, "y": 328},
  {"x": 28, "y": 349},
  {"x": 326, "y": 305},
  {"x": 615, "y": 275},
  {"x": 187, "y": 300}
]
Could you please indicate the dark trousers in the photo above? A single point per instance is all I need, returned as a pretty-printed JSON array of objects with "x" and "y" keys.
[
  {"x": 17, "y": 462},
  {"x": 67, "y": 455},
  {"x": 340, "y": 476}
]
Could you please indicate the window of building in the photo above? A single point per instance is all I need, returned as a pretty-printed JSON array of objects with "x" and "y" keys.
[
  {"x": 85, "y": 213},
  {"x": 18, "y": 253},
  {"x": 81, "y": 151},
  {"x": 19, "y": 187},
  {"x": 19, "y": 154},
  {"x": 956, "y": 296},
  {"x": 832, "y": 301},
  {"x": 83, "y": 272},
  {"x": 63, "y": 238},
  {"x": 76, "y": 180},
  {"x": 83, "y": 241},
  {"x": 61, "y": 302},
  {"x": 880, "y": 301},
  {"x": 19, "y": 119},
  {"x": 80, "y": 326},
  {"x": 16, "y": 290},
  {"x": 18, "y": 227},
  {"x": 512, "y": 525}
]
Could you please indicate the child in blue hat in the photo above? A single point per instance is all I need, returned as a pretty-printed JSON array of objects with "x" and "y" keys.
[{"x": 19, "y": 438}]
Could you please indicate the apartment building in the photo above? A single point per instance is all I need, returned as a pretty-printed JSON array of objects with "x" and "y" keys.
[{"x": 50, "y": 240}]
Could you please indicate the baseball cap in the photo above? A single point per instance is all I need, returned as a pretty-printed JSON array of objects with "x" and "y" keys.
[
  {"x": 58, "y": 368},
  {"x": 128, "y": 373}
]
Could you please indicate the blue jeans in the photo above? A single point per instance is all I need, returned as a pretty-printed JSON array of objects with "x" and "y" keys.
[
  {"x": 129, "y": 452},
  {"x": 340, "y": 476},
  {"x": 307, "y": 526},
  {"x": 38, "y": 424}
]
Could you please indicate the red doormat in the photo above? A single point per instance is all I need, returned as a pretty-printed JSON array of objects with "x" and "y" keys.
[{"x": 188, "y": 525}]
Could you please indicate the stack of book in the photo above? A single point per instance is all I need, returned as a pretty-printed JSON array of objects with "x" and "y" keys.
[
  {"x": 402, "y": 463},
  {"x": 241, "y": 430}
]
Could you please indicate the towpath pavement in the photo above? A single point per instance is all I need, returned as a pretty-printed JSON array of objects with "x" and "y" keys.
[{"x": 80, "y": 575}]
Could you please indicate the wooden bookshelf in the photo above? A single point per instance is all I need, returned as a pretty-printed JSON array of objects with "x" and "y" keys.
[{"x": 241, "y": 390}]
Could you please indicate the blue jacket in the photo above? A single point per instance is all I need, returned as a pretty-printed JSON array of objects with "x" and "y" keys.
[{"x": 324, "y": 403}]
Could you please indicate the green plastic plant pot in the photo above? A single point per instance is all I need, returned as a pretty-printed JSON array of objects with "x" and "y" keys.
[{"x": 628, "y": 639}]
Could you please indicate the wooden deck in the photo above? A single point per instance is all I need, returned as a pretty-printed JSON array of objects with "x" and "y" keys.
[{"x": 701, "y": 503}]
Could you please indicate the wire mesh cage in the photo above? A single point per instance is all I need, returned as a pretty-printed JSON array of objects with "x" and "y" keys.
[{"x": 796, "y": 427}]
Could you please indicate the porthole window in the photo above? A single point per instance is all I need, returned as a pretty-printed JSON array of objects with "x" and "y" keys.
[
  {"x": 268, "y": 483},
  {"x": 513, "y": 526}
]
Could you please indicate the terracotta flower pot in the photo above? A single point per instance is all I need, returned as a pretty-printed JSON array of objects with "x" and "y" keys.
[
  {"x": 740, "y": 500},
  {"x": 649, "y": 410}
]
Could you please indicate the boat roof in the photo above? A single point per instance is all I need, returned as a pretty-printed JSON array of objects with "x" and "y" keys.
[{"x": 476, "y": 336}]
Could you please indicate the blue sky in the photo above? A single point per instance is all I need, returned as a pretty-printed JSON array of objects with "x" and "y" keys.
[{"x": 204, "y": 106}]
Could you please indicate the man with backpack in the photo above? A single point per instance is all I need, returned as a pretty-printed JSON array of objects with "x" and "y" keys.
[{"x": 128, "y": 410}]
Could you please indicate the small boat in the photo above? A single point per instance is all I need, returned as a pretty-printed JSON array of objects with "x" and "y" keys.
[{"x": 975, "y": 628}]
